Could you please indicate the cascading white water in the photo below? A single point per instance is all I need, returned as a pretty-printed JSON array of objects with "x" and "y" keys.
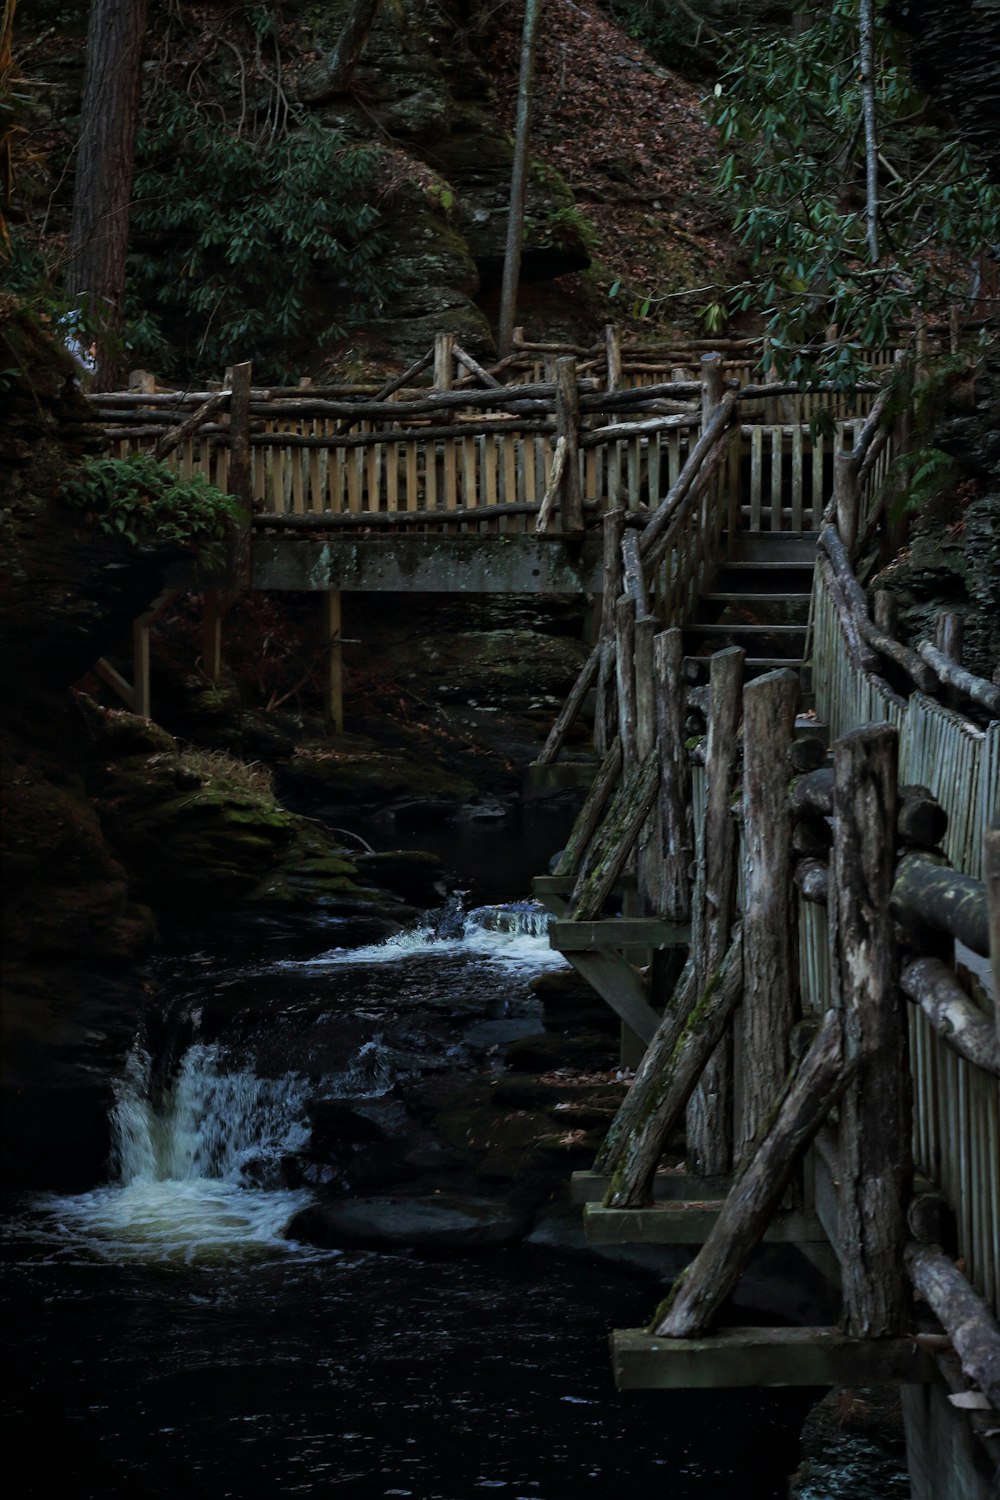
[
  {"x": 197, "y": 1161},
  {"x": 514, "y": 936}
]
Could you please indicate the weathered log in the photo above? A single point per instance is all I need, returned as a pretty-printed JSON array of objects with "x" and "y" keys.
[
  {"x": 931, "y": 1220},
  {"x": 177, "y": 435},
  {"x": 624, "y": 622},
  {"x": 664, "y": 512},
  {"x": 854, "y": 598},
  {"x": 616, "y": 839},
  {"x": 398, "y": 382},
  {"x": 649, "y": 865},
  {"x": 476, "y": 369},
  {"x": 635, "y": 1106},
  {"x": 806, "y": 754},
  {"x": 802, "y": 1105},
  {"x": 812, "y": 794},
  {"x": 675, "y": 777},
  {"x": 769, "y": 705},
  {"x": 948, "y": 634},
  {"x": 811, "y": 836},
  {"x": 589, "y": 816},
  {"x": 921, "y": 820},
  {"x": 954, "y": 676},
  {"x": 654, "y": 556},
  {"x": 568, "y": 713},
  {"x": 962, "y": 1313},
  {"x": 635, "y": 584},
  {"x": 568, "y": 428},
  {"x": 710, "y": 1110},
  {"x": 239, "y": 481},
  {"x": 389, "y": 520},
  {"x": 637, "y": 1160},
  {"x": 876, "y": 1166},
  {"x": 606, "y": 704},
  {"x": 944, "y": 899},
  {"x": 615, "y": 431},
  {"x": 956, "y": 1018},
  {"x": 861, "y": 654},
  {"x": 812, "y": 878},
  {"x": 547, "y": 508}
]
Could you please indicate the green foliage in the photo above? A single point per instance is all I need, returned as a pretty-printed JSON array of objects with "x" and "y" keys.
[
  {"x": 244, "y": 244},
  {"x": 789, "y": 109},
  {"x": 146, "y": 502},
  {"x": 918, "y": 478}
]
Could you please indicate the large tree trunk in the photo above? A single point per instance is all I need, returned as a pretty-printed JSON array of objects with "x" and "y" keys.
[{"x": 95, "y": 273}]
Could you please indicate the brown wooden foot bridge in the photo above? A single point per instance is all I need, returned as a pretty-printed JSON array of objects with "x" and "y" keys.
[{"x": 803, "y": 944}]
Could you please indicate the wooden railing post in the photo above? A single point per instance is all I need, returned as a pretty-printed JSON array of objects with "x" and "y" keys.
[
  {"x": 240, "y": 486},
  {"x": 846, "y": 498},
  {"x": 613, "y": 352},
  {"x": 711, "y": 386},
  {"x": 875, "y": 1148},
  {"x": 568, "y": 431},
  {"x": 710, "y": 1109},
  {"x": 675, "y": 776},
  {"x": 444, "y": 361},
  {"x": 624, "y": 618},
  {"x": 768, "y": 1013},
  {"x": 605, "y": 713},
  {"x": 991, "y": 875}
]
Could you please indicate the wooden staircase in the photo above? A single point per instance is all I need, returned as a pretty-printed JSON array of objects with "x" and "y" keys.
[{"x": 758, "y": 600}]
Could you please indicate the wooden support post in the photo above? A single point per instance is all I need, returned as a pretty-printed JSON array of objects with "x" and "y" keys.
[
  {"x": 605, "y": 711},
  {"x": 675, "y": 776},
  {"x": 141, "y": 700},
  {"x": 710, "y": 1110},
  {"x": 613, "y": 354},
  {"x": 590, "y": 813},
  {"x": 333, "y": 681},
  {"x": 635, "y": 584},
  {"x": 650, "y": 855},
  {"x": 948, "y": 635},
  {"x": 211, "y": 634},
  {"x": 637, "y": 1103},
  {"x": 875, "y": 1158},
  {"x": 444, "y": 361},
  {"x": 711, "y": 387},
  {"x": 885, "y": 611},
  {"x": 624, "y": 618},
  {"x": 846, "y": 498},
  {"x": 803, "y": 1104},
  {"x": 239, "y": 480},
  {"x": 571, "y": 708},
  {"x": 568, "y": 429},
  {"x": 696, "y": 1040},
  {"x": 768, "y": 1013}
]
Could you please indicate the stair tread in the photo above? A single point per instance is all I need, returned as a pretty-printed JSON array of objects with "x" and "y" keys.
[
  {"x": 738, "y": 627},
  {"x": 720, "y": 596}
]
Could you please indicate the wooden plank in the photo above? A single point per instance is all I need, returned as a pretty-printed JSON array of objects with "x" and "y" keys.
[
  {"x": 618, "y": 932},
  {"x": 621, "y": 987},
  {"x": 687, "y": 1223},
  {"x": 756, "y": 466},
  {"x": 735, "y": 1357}
]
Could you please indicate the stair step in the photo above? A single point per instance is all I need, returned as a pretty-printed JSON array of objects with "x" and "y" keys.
[
  {"x": 749, "y": 596},
  {"x": 797, "y": 547},
  {"x": 744, "y": 628}
]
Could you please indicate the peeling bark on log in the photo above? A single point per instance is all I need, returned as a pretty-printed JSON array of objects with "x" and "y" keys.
[
  {"x": 875, "y": 1160},
  {"x": 955, "y": 1017},
  {"x": 710, "y": 1110},
  {"x": 944, "y": 899},
  {"x": 963, "y": 1314},
  {"x": 803, "y": 1104},
  {"x": 636, "y": 1103},
  {"x": 640, "y": 1154},
  {"x": 768, "y": 1012}
]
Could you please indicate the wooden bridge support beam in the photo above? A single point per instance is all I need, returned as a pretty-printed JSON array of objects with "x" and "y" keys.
[{"x": 333, "y": 675}]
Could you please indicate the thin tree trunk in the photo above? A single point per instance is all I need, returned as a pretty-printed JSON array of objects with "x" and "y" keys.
[
  {"x": 95, "y": 272},
  {"x": 866, "y": 27},
  {"x": 518, "y": 180},
  {"x": 330, "y": 76}
]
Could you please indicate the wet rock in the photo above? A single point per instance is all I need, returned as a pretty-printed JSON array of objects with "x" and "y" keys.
[
  {"x": 438, "y": 1223},
  {"x": 853, "y": 1447}
]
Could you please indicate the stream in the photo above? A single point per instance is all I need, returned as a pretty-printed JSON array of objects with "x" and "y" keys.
[{"x": 163, "y": 1337}]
